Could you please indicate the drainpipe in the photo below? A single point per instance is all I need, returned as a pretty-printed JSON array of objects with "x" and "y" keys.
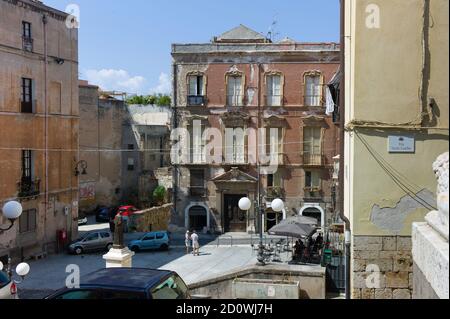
[
  {"x": 175, "y": 126},
  {"x": 46, "y": 202},
  {"x": 341, "y": 205}
]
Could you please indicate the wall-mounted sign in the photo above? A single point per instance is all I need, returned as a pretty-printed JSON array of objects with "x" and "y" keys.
[{"x": 402, "y": 144}]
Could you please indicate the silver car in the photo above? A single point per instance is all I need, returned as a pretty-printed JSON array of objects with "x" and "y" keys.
[{"x": 93, "y": 241}]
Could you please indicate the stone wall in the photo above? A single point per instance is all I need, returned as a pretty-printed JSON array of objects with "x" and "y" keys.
[
  {"x": 153, "y": 219},
  {"x": 382, "y": 267}
]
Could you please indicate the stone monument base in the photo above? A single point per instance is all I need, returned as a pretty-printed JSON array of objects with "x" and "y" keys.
[{"x": 119, "y": 258}]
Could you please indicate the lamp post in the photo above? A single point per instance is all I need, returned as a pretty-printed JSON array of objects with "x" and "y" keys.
[
  {"x": 12, "y": 211},
  {"x": 277, "y": 205}
]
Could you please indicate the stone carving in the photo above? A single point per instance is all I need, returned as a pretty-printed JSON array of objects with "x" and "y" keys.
[{"x": 440, "y": 168}]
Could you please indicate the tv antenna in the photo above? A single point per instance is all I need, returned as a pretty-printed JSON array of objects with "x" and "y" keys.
[{"x": 272, "y": 34}]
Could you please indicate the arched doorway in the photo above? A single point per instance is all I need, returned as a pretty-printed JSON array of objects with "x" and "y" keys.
[
  {"x": 314, "y": 211},
  {"x": 197, "y": 218}
]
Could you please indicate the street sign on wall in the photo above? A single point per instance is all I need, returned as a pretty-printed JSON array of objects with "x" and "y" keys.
[{"x": 401, "y": 144}]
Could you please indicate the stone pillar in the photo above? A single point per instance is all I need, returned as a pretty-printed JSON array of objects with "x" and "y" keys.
[
  {"x": 430, "y": 243},
  {"x": 119, "y": 258}
]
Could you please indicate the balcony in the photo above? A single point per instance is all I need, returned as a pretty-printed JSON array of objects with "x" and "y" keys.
[
  {"x": 27, "y": 106},
  {"x": 29, "y": 187},
  {"x": 274, "y": 100},
  {"x": 235, "y": 100},
  {"x": 273, "y": 192},
  {"x": 27, "y": 44},
  {"x": 312, "y": 193},
  {"x": 196, "y": 100},
  {"x": 313, "y": 159},
  {"x": 197, "y": 191}
]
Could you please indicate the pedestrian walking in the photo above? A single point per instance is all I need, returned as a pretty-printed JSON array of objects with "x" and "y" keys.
[
  {"x": 187, "y": 241},
  {"x": 195, "y": 243}
]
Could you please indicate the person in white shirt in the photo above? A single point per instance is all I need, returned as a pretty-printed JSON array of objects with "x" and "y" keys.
[
  {"x": 195, "y": 244},
  {"x": 187, "y": 241}
]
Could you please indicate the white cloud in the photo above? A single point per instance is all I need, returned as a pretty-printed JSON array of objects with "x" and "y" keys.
[
  {"x": 118, "y": 80},
  {"x": 164, "y": 85}
]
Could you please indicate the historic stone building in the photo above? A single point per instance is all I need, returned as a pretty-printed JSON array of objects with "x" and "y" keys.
[
  {"x": 101, "y": 130},
  {"x": 39, "y": 122},
  {"x": 223, "y": 92}
]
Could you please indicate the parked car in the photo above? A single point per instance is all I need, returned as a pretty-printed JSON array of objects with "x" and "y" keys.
[
  {"x": 8, "y": 289},
  {"x": 82, "y": 219},
  {"x": 102, "y": 214},
  {"x": 127, "y": 283},
  {"x": 152, "y": 240},
  {"x": 127, "y": 210},
  {"x": 92, "y": 241}
]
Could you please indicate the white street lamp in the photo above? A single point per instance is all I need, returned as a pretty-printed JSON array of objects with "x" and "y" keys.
[
  {"x": 277, "y": 205},
  {"x": 245, "y": 203},
  {"x": 12, "y": 211},
  {"x": 22, "y": 269}
]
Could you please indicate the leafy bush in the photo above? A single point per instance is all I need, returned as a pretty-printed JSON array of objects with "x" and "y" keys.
[
  {"x": 159, "y": 195},
  {"x": 160, "y": 100}
]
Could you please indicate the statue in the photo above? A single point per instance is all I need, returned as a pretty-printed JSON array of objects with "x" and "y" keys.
[
  {"x": 118, "y": 232},
  {"x": 440, "y": 168}
]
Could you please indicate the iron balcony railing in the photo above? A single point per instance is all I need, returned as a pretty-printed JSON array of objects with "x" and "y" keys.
[
  {"x": 313, "y": 159},
  {"x": 29, "y": 187},
  {"x": 273, "y": 192},
  {"x": 274, "y": 100},
  {"x": 196, "y": 100},
  {"x": 27, "y": 106},
  {"x": 235, "y": 100},
  {"x": 313, "y": 193},
  {"x": 27, "y": 44}
]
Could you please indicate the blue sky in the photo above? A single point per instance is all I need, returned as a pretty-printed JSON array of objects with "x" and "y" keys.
[{"x": 125, "y": 45}]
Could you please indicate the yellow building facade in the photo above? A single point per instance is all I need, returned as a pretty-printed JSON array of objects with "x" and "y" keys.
[{"x": 396, "y": 118}]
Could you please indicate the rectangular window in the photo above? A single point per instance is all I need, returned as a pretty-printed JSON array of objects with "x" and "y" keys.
[
  {"x": 196, "y": 90},
  {"x": 273, "y": 90},
  {"x": 312, "y": 145},
  {"x": 26, "y": 29},
  {"x": 27, "y": 40},
  {"x": 27, "y": 221},
  {"x": 131, "y": 164},
  {"x": 274, "y": 144},
  {"x": 312, "y": 180},
  {"x": 234, "y": 91},
  {"x": 197, "y": 182},
  {"x": 313, "y": 90},
  {"x": 274, "y": 180},
  {"x": 27, "y": 96},
  {"x": 198, "y": 144},
  {"x": 27, "y": 162},
  {"x": 235, "y": 145}
]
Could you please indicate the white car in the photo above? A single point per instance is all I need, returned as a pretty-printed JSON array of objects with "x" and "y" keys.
[{"x": 8, "y": 289}]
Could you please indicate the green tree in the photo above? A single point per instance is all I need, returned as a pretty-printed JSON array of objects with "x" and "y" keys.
[{"x": 159, "y": 195}]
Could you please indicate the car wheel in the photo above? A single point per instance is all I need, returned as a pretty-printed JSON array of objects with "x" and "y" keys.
[
  {"x": 78, "y": 250},
  {"x": 109, "y": 247},
  {"x": 135, "y": 249},
  {"x": 164, "y": 247}
]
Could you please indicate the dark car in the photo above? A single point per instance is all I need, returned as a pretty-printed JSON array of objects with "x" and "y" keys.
[
  {"x": 102, "y": 214},
  {"x": 127, "y": 283}
]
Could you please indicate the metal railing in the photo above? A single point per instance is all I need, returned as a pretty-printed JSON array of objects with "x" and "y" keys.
[
  {"x": 225, "y": 236},
  {"x": 27, "y": 44},
  {"x": 29, "y": 187},
  {"x": 313, "y": 159},
  {"x": 313, "y": 100},
  {"x": 313, "y": 193},
  {"x": 196, "y": 100},
  {"x": 27, "y": 106}
]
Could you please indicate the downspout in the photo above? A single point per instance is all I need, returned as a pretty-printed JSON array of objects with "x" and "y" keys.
[
  {"x": 175, "y": 126},
  {"x": 341, "y": 205},
  {"x": 46, "y": 201}
]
